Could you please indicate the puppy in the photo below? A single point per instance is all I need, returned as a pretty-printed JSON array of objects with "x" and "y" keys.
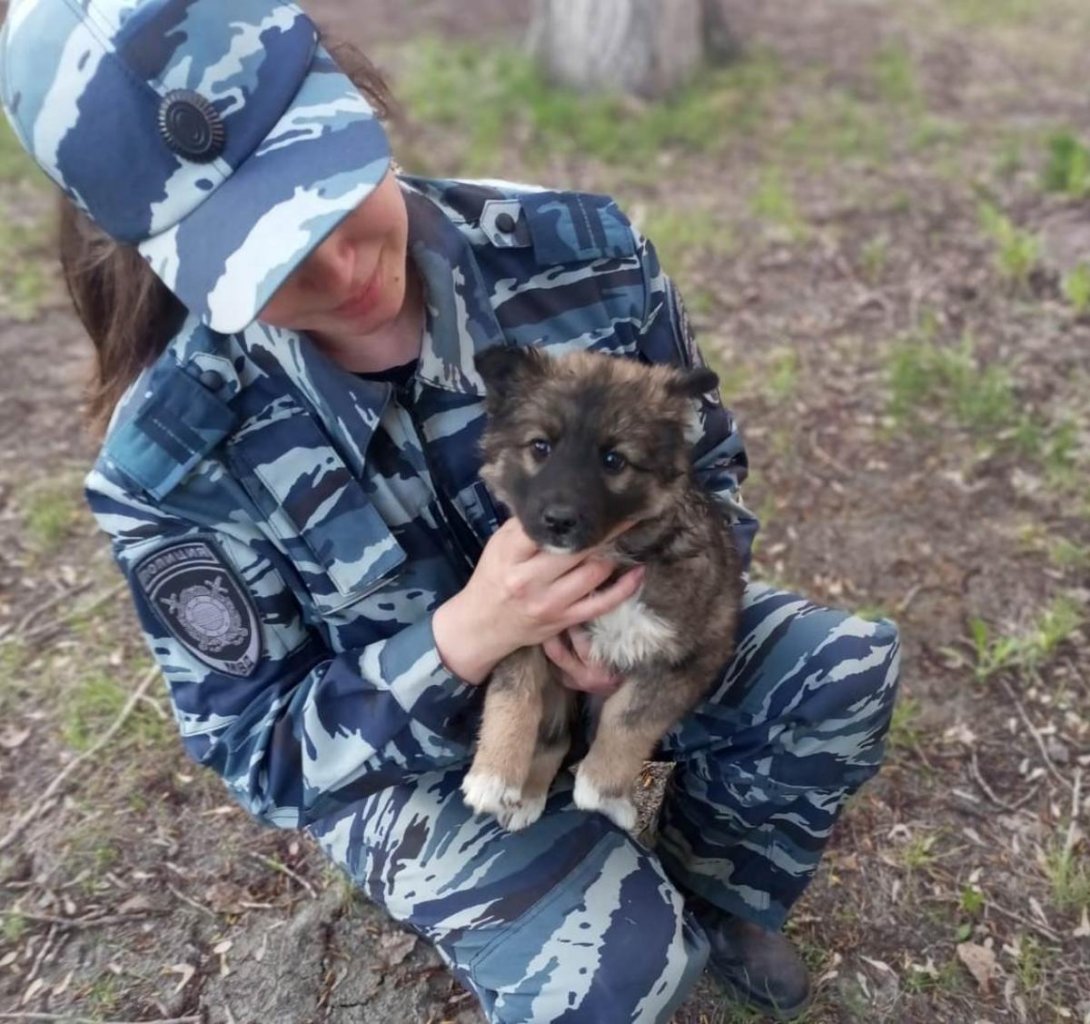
[{"x": 576, "y": 446}]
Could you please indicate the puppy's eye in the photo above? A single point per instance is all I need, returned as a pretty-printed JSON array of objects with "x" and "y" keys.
[
  {"x": 540, "y": 448},
  {"x": 613, "y": 461}
]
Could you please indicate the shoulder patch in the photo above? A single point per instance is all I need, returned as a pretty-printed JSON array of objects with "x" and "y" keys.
[
  {"x": 572, "y": 226},
  {"x": 198, "y": 597}
]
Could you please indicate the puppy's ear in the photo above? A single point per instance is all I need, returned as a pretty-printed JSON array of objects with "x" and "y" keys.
[
  {"x": 694, "y": 383},
  {"x": 505, "y": 367}
]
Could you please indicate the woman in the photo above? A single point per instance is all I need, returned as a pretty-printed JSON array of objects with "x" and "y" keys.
[{"x": 285, "y": 332}]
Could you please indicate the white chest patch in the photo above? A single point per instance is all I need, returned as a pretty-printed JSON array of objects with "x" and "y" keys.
[{"x": 629, "y": 634}]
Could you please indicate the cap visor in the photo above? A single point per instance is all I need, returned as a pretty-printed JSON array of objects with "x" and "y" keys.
[{"x": 321, "y": 160}]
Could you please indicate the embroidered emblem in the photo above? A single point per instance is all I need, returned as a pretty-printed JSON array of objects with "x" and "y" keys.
[{"x": 200, "y": 600}]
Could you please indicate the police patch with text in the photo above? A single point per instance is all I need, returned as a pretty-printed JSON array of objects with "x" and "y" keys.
[{"x": 199, "y": 599}]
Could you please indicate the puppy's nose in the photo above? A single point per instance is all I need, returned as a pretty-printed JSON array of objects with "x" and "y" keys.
[{"x": 559, "y": 520}]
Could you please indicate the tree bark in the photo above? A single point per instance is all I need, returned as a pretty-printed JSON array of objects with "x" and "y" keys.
[{"x": 641, "y": 47}]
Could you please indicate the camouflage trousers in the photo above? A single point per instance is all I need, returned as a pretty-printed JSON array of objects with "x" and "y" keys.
[{"x": 572, "y": 920}]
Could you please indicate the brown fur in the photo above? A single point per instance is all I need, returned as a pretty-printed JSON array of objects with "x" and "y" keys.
[{"x": 587, "y": 410}]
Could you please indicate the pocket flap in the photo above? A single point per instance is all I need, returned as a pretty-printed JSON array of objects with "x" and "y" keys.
[{"x": 349, "y": 550}]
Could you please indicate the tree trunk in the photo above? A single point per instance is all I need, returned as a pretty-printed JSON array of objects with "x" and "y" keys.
[{"x": 642, "y": 47}]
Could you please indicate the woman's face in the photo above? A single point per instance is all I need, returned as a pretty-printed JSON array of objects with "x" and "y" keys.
[{"x": 353, "y": 284}]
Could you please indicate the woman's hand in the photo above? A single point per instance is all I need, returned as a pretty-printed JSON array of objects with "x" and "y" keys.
[
  {"x": 520, "y": 595},
  {"x": 571, "y": 653}
]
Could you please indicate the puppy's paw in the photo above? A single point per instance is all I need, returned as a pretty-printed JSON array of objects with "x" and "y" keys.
[
  {"x": 619, "y": 809},
  {"x": 526, "y": 813},
  {"x": 489, "y": 794}
]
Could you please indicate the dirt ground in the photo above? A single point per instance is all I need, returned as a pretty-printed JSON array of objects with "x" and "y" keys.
[{"x": 880, "y": 219}]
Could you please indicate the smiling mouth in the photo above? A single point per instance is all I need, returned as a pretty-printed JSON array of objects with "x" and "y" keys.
[{"x": 363, "y": 301}]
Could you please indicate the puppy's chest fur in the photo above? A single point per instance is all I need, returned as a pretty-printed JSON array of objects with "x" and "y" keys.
[{"x": 632, "y": 634}]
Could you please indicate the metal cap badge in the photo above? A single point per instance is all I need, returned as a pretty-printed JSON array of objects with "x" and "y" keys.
[{"x": 191, "y": 126}]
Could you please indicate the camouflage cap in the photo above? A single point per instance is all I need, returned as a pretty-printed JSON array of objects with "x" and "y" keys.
[{"x": 217, "y": 136}]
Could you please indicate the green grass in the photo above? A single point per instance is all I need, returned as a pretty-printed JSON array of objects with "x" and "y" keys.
[
  {"x": 1053, "y": 627},
  {"x": 1068, "y": 167},
  {"x": 1030, "y": 649},
  {"x": 14, "y": 927},
  {"x": 51, "y": 510},
  {"x": 992, "y": 13},
  {"x": 922, "y": 373},
  {"x": 25, "y": 256},
  {"x": 1031, "y": 961},
  {"x": 774, "y": 202},
  {"x": 919, "y": 854},
  {"x": 895, "y": 77},
  {"x": 94, "y": 701},
  {"x": 946, "y": 978},
  {"x": 1010, "y": 158},
  {"x": 873, "y": 256},
  {"x": 904, "y": 730},
  {"x": 496, "y": 99},
  {"x": 25, "y": 245},
  {"x": 15, "y": 165},
  {"x": 782, "y": 376},
  {"x": 1076, "y": 289},
  {"x": 838, "y": 127},
  {"x": 1066, "y": 554},
  {"x": 931, "y": 132},
  {"x": 972, "y": 901},
  {"x": 105, "y": 994},
  {"x": 1055, "y": 447},
  {"x": 1068, "y": 873},
  {"x": 1017, "y": 252},
  {"x": 89, "y": 708},
  {"x": 682, "y": 237}
]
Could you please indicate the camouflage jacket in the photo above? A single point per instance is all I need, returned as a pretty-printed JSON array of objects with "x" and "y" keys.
[{"x": 287, "y": 528}]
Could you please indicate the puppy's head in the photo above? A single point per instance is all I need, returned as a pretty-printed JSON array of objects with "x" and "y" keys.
[{"x": 577, "y": 445}]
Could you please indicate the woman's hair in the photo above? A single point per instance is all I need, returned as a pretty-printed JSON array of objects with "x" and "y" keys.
[{"x": 127, "y": 310}]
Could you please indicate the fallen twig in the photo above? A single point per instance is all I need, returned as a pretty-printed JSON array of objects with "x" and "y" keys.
[
  {"x": 1053, "y": 770},
  {"x": 16, "y": 630},
  {"x": 36, "y": 808},
  {"x": 17, "y": 634},
  {"x": 1023, "y": 800},
  {"x": 277, "y": 866},
  {"x": 988, "y": 792},
  {"x": 193, "y": 903},
  {"x": 1043, "y": 929},
  {"x": 902, "y": 605},
  {"x": 1076, "y": 807},
  {"x": 64, "y": 1018},
  {"x": 1076, "y": 673},
  {"x": 79, "y": 922},
  {"x": 42, "y": 954}
]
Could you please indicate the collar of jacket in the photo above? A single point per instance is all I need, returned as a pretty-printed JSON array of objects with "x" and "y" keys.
[
  {"x": 182, "y": 407},
  {"x": 460, "y": 320}
]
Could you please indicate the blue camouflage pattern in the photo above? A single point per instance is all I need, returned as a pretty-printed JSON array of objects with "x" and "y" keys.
[
  {"x": 302, "y": 147},
  {"x": 573, "y": 919},
  {"x": 349, "y": 509}
]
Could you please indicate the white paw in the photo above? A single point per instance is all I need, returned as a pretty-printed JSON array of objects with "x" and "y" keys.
[
  {"x": 619, "y": 809},
  {"x": 526, "y": 813},
  {"x": 489, "y": 794}
]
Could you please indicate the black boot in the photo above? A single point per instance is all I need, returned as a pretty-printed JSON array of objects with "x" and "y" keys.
[{"x": 756, "y": 966}]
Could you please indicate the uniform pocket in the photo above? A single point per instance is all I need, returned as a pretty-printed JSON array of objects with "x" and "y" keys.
[{"x": 315, "y": 508}]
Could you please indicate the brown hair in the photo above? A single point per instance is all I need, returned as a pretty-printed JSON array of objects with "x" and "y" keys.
[{"x": 126, "y": 309}]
